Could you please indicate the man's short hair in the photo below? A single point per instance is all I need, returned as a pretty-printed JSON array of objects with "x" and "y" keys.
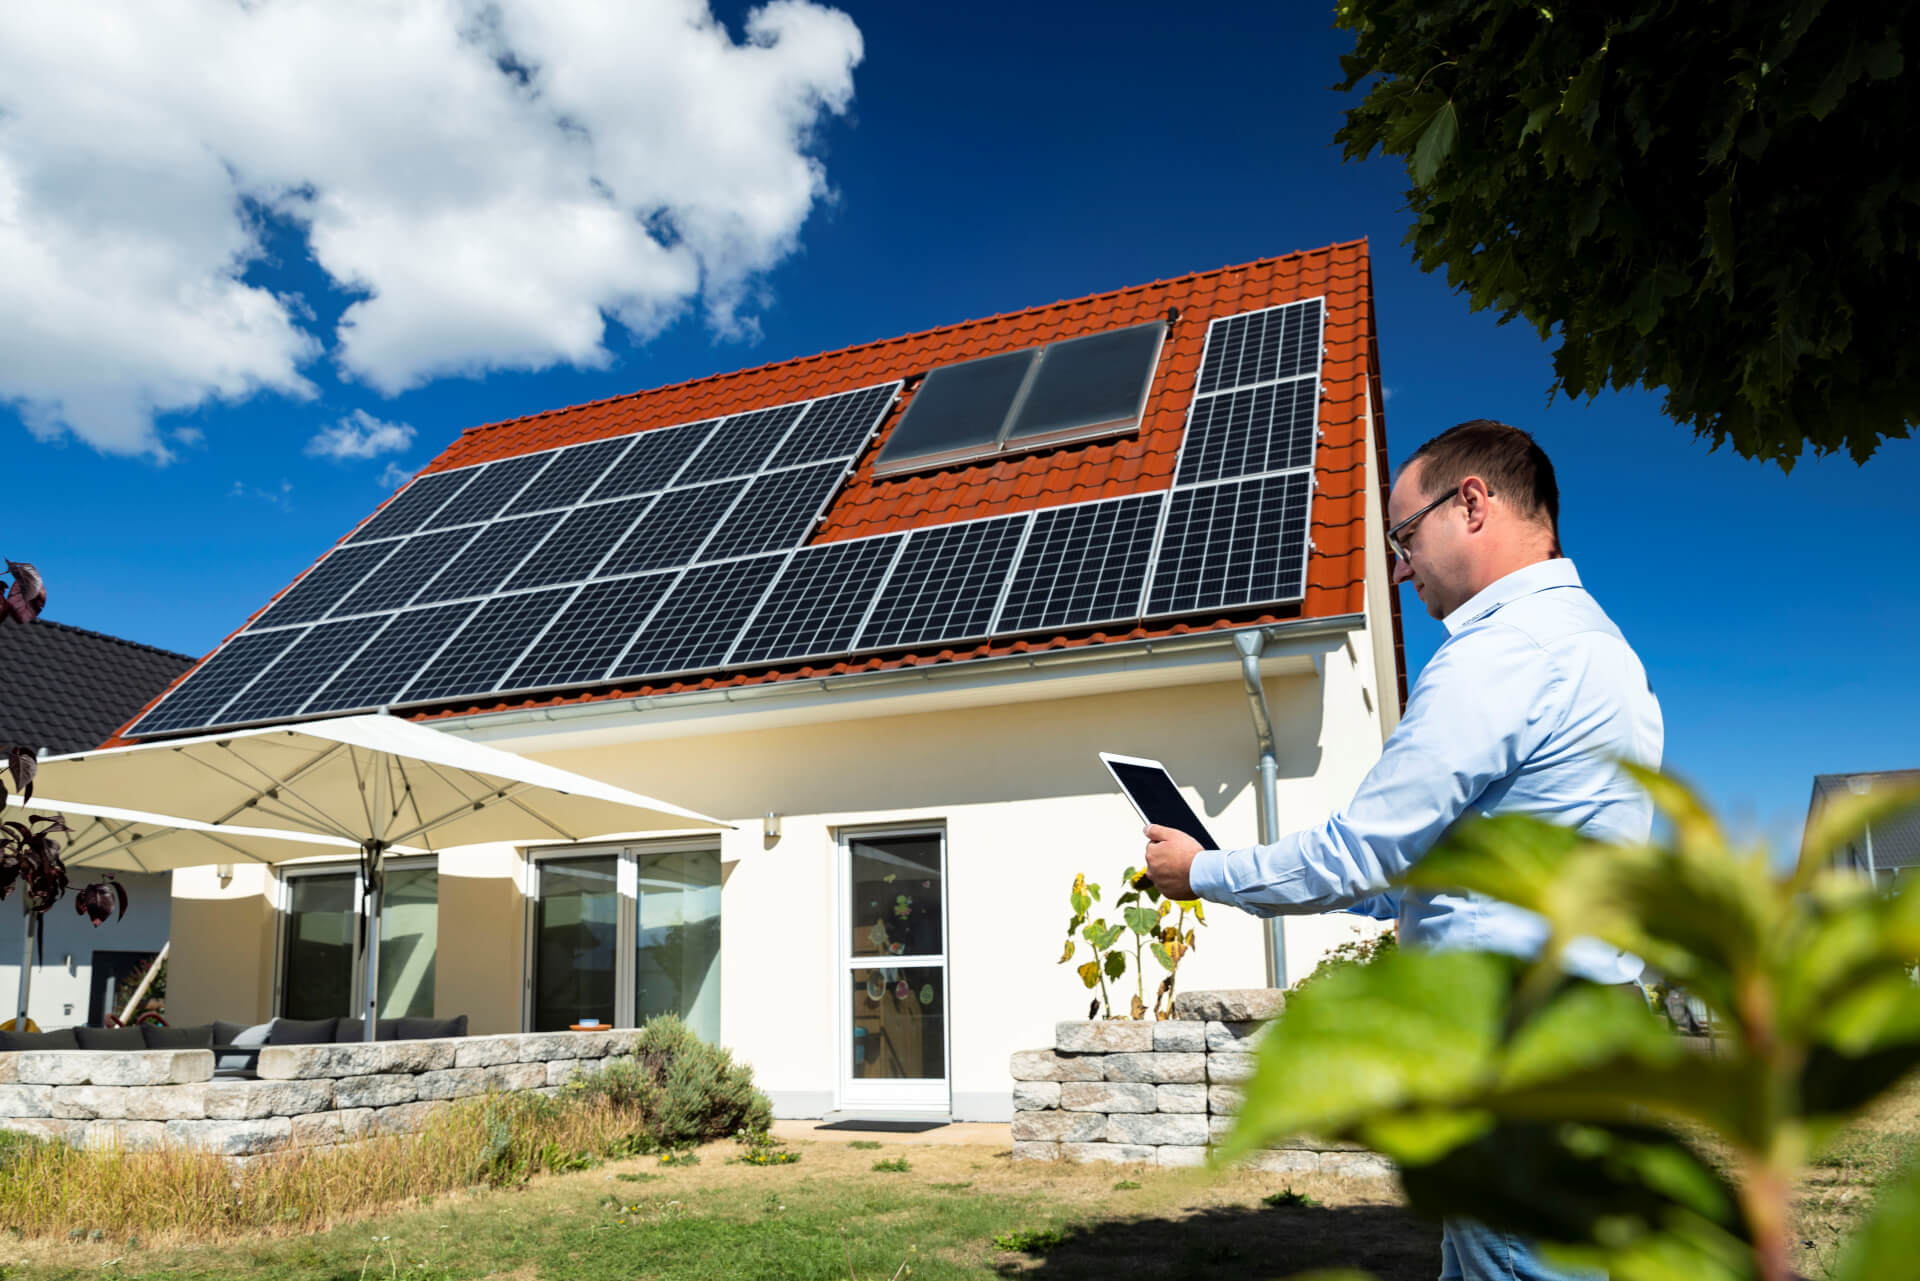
[{"x": 1513, "y": 466}]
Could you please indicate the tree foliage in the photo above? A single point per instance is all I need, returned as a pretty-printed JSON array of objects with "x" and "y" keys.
[
  {"x": 1721, "y": 201},
  {"x": 1512, "y": 1095}
]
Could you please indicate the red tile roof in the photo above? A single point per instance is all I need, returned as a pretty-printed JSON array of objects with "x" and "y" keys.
[{"x": 1138, "y": 463}]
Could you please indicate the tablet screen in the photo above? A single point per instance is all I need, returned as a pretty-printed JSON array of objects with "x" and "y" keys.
[{"x": 1159, "y": 801}]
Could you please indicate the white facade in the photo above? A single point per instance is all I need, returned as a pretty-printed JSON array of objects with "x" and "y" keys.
[{"x": 64, "y": 980}]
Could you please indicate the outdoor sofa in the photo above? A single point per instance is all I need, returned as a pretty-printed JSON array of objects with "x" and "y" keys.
[{"x": 236, "y": 1046}]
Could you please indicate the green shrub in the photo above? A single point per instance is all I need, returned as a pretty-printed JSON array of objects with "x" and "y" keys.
[
  {"x": 1347, "y": 955},
  {"x": 688, "y": 1091}
]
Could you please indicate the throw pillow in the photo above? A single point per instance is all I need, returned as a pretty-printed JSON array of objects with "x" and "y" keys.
[
  {"x": 424, "y": 1029},
  {"x": 64, "y": 1039},
  {"x": 302, "y": 1031},
  {"x": 110, "y": 1038},
  {"x": 179, "y": 1038},
  {"x": 245, "y": 1045}
]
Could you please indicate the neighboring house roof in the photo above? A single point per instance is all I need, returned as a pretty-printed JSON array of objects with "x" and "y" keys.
[
  {"x": 66, "y": 688},
  {"x": 1896, "y": 841},
  {"x": 1137, "y": 463}
]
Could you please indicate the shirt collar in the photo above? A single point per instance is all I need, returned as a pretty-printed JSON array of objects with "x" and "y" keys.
[{"x": 1537, "y": 577}]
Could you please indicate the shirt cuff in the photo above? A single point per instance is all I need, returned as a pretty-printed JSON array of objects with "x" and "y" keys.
[{"x": 1207, "y": 874}]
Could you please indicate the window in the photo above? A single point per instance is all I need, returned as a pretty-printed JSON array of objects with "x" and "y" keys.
[
  {"x": 622, "y": 936},
  {"x": 321, "y": 963},
  {"x": 1077, "y": 389}
]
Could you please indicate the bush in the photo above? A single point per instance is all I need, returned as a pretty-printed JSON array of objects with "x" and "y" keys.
[
  {"x": 1348, "y": 955},
  {"x": 688, "y": 1091}
]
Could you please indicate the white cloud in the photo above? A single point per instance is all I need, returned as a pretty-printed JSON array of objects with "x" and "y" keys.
[
  {"x": 394, "y": 476},
  {"x": 280, "y": 497},
  {"x": 495, "y": 178},
  {"x": 360, "y": 435}
]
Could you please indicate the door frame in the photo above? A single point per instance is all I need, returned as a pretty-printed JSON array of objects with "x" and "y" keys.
[
  {"x": 850, "y": 1094},
  {"x": 287, "y": 873}
]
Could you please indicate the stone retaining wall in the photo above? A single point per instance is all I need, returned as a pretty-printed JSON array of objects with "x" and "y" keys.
[
  {"x": 1157, "y": 1092},
  {"x": 306, "y": 1095}
]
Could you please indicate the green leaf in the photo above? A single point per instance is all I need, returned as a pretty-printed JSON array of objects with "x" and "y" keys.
[
  {"x": 1090, "y": 973},
  {"x": 1436, "y": 143},
  {"x": 1143, "y": 921},
  {"x": 1116, "y": 964},
  {"x": 1110, "y": 936},
  {"x": 1161, "y": 955},
  {"x": 1890, "y": 1242}
]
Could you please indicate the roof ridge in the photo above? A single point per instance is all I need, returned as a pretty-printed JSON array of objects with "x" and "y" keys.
[
  {"x": 118, "y": 640},
  {"x": 1166, "y": 282}
]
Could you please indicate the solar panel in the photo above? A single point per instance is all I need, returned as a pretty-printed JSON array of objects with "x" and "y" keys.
[
  {"x": 1082, "y": 565},
  {"x": 742, "y": 445},
  {"x": 489, "y": 559},
  {"x": 836, "y": 426},
  {"x": 778, "y": 510},
  {"x": 816, "y": 605},
  {"x": 1260, "y": 346},
  {"x": 488, "y": 493},
  {"x": 289, "y": 683},
  {"x": 1234, "y": 545},
  {"x": 957, "y": 412},
  {"x": 375, "y": 676},
  {"x": 579, "y": 544},
  {"x": 325, "y": 584},
  {"x": 1250, "y": 432},
  {"x": 569, "y": 476},
  {"x": 591, "y": 632},
  {"x": 680, "y": 520},
  {"x": 410, "y": 508},
  {"x": 492, "y": 641},
  {"x": 197, "y": 700},
  {"x": 652, "y": 461},
  {"x": 1087, "y": 387},
  {"x": 696, "y": 624},
  {"x": 413, "y": 562},
  {"x": 945, "y": 585}
]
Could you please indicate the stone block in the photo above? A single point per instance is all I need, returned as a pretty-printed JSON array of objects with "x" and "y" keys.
[
  {"x": 1284, "y": 1161},
  {"x": 1118, "y": 1153},
  {"x": 1357, "y": 1165},
  {"x": 546, "y": 1046},
  {"x": 1059, "y": 1127},
  {"x": 560, "y": 1071},
  {"x": 1226, "y": 1100},
  {"x": 1230, "y": 1067},
  {"x": 1035, "y": 1150},
  {"x": 405, "y": 1118},
  {"x": 516, "y": 1076},
  {"x": 130, "y": 1102},
  {"x": 1180, "y": 1098},
  {"x": 123, "y": 1135},
  {"x": 1158, "y": 1069},
  {"x": 113, "y": 1067},
  {"x": 355, "y": 1123},
  {"x": 1230, "y": 1005},
  {"x": 1179, "y": 1034},
  {"x": 9, "y": 1069},
  {"x": 90, "y": 1102},
  {"x": 232, "y": 1138},
  {"x": 317, "y": 1130},
  {"x": 251, "y": 1100},
  {"x": 354, "y": 1058},
  {"x": 52, "y": 1129},
  {"x": 1047, "y": 1065},
  {"x": 375, "y": 1091},
  {"x": 1184, "y": 1128},
  {"x": 451, "y": 1083},
  {"x": 1180, "y": 1154},
  {"x": 1103, "y": 1036},
  {"x": 1219, "y": 1127},
  {"x": 1243, "y": 1036},
  {"x": 486, "y": 1051},
  {"x": 1107, "y": 1096},
  {"x": 1033, "y": 1096},
  {"x": 21, "y": 1101}
]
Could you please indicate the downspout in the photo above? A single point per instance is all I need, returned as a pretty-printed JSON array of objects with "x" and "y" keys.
[{"x": 1250, "y": 644}]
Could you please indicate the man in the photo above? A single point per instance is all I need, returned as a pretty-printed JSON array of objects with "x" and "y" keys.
[{"x": 1524, "y": 708}]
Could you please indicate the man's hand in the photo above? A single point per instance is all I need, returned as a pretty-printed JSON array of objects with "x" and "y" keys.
[{"x": 1170, "y": 853}]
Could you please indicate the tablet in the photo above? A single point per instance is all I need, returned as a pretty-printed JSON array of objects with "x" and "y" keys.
[{"x": 1156, "y": 797}]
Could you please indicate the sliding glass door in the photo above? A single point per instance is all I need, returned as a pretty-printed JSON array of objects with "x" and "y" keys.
[{"x": 321, "y": 969}]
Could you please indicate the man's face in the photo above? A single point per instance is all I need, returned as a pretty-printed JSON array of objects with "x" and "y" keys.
[{"x": 1431, "y": 544}]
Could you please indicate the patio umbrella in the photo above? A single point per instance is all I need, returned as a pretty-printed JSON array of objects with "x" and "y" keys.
[
  {"x": 103, "y": 838},
  {"x": 377, "y": 781}
]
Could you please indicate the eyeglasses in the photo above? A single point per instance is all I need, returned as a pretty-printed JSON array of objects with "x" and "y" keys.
[{"x": 1395, "y": 543}]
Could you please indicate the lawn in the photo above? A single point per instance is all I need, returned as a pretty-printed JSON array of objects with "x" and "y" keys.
[{"x": 843, "y": 1211}]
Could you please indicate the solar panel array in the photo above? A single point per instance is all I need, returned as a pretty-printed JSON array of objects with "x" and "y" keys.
[{"x": 684, "y": 550}]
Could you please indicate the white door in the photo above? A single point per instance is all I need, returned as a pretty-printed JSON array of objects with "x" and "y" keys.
[{"x": 893, "y": 971}]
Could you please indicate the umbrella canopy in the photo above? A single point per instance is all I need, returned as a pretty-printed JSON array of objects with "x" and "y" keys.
[
  {"x": 376, "y": 781},
  {"x": 102, "y": 838}
]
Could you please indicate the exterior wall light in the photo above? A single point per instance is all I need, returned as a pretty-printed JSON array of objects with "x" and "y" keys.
[
  {"x": 225, "y": 872},
  {"x": 770, "y": 826}
]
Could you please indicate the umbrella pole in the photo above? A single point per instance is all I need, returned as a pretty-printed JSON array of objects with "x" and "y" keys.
[
  {"x": 29, "y": 930},
  {"x": 374, "y": 871}
]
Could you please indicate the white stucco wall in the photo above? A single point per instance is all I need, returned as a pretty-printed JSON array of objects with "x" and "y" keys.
[{"x": 63, "y": 982}]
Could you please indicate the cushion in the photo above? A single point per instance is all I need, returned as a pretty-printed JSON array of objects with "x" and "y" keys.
[
  {"x": 225, "y": 1032},
  {"x": 178, "y": 1038},
  {"x": 350, "y": 1030},
  {"x": 302, "y": 1031},
  {"x": 110, "y": 1038},
  {"x": 64, "y": 1039},
  {"x": 244, "y": 1047},
  {"x": 424, "y": 1029}
]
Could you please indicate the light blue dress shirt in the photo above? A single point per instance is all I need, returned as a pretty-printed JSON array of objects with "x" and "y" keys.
[{"x": 1524, "y": 709}]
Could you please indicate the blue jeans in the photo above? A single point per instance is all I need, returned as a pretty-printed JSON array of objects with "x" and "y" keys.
[{"x": 1473, "y": 1252}]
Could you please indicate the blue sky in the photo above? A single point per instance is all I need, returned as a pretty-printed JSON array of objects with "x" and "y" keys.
[{"x": 997, "y": 157}]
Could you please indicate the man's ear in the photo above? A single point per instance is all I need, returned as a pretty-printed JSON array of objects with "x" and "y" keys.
[{"x": 1473, "y": 492}]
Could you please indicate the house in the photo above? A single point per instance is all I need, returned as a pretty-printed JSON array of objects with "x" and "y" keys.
[
  {"x": 63, "y": 689},
  {"x": 1886, "y": 849},
  {"x": 880, "y": 609}
]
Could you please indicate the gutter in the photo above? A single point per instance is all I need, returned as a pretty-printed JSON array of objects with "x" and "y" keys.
[
  {"x": 1114, "y": 653},
  {"x": 1250, "y": 644}
]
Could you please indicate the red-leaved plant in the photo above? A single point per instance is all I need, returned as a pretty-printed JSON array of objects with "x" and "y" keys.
[{"x": 30, "y": 850}]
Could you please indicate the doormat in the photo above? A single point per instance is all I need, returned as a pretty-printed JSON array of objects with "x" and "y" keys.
[{"x": 885, "y": 1127}]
